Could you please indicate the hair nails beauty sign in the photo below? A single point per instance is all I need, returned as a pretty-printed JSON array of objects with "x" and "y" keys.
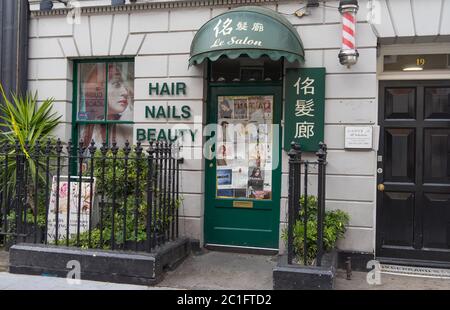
[{"x": 169, "y": 121}]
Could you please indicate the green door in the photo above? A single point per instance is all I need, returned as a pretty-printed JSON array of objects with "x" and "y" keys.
[{"x": 243, "y": 167}]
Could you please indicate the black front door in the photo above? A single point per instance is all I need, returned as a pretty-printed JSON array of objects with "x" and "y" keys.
[{"x": 413, "y": 201}]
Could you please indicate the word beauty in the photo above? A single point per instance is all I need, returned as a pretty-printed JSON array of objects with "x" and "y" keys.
[
  {"x": 167, "y": 89},
  {"x": 168, "y": 112},
  {"x": 236, "y": 41},
  {"x": 170, "y": 134}
]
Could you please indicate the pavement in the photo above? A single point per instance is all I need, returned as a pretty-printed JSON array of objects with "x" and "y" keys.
[
  {"x": 24, "y": 282},
  {"x": 219, "y": 271},
  {"x": 4, "y": 258},
  {"x": 389, "y": 282},
  {"x": 223, "y": 271}
]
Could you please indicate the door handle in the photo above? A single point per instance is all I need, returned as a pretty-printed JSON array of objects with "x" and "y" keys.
[{"x": 380, "y": 187}]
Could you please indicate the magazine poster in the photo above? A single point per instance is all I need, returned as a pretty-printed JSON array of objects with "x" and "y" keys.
[
  {"x": 223, "y": 130},
  {"x": 240, "y": 108},
  {"x": 267, "y": 179},
  {"x": 256, "y": 110},
  {"x": 255, "y": 178},
  {"x": 226, "y": 106},
  {"x": 241, "y": 151},
  {"x": 225, "y": 150},
  {"x": 268, "y": 108},
  {"x": 225, "y": 179},
  {"x": 69, "y": 202},
  {"x": 240, "y": 132},
  {"x": 240, "y": 177},
  {"x": 260, "y": 133},
  {"x": 258, "y": 153},
  {"x": 253, "y": 133},
  {"x": 226, "y": 193},
  {"x": 240, "y": 193}
]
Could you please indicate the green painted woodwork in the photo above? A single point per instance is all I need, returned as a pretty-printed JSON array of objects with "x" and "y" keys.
[
  {"x": 304, "y": 115},
  {"x": 247, "y": 227},
  {"x": 249, "y": 30}
]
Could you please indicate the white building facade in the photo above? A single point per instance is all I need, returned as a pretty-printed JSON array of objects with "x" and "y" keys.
[{"x": 150, "y": 41}]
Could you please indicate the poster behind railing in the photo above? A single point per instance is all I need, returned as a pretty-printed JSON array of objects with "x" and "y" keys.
[{"x": 68, "y": 201}]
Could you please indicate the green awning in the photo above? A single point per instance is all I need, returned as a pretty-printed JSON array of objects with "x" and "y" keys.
[{"x": 249, "y": 30}]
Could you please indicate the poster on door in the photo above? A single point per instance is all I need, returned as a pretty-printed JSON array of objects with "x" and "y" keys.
[{"x": 244, "y": 147}]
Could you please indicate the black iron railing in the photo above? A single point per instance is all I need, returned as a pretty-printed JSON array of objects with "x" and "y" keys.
[
  {"x": 89, "y": 196},
  {"x": 298, "y": 246}
]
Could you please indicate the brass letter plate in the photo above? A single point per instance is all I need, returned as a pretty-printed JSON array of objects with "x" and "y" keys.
[{"x": 243, "y": 204}]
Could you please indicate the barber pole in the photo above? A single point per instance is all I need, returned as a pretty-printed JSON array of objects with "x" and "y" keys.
[{"x": 348, "y": 55}]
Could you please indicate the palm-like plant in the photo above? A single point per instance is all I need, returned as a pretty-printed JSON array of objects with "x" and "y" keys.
[{"x": 24, "y": 123}]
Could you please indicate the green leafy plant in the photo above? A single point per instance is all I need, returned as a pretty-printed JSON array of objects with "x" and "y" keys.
[
  {"x": 126, "y": 183},
  {"x": 335, "y": 222},
  {"x": 25, "y": 122}
]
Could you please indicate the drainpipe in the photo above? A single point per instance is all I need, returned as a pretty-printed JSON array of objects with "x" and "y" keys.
[
  {"x": 14, "y": 45},
  {"x": 348, "y": 55}
]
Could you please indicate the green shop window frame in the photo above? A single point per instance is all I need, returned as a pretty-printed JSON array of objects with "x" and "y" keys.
[{"x": 76, "y": 123}]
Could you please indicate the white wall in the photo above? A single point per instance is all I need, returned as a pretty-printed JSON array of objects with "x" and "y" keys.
[{"x": 160, "y": 40}]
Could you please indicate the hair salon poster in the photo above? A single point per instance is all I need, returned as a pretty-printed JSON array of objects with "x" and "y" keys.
[
  {"x": 64, "y": 201},
  {"x": 244, "y": 147}
]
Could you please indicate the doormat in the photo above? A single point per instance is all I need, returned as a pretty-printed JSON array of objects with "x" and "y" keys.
[{"x": 411, "y": 271}]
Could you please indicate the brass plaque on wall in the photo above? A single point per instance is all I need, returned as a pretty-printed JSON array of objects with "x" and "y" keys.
[{"x": 243, "y": 204}]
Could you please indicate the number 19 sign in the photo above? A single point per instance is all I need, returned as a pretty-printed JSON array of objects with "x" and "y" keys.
[{"x": 305, "y": 108}]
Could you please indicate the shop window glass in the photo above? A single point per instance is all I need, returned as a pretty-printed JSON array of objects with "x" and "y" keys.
[
  {"x": 417, "y": 62},
  {"x": 244, "y": 147},
  {"x": 245, "y": 69},
  {"x": 105, "y": 102}
]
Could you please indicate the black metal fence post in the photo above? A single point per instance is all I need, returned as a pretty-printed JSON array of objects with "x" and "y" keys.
[
  {"x": 164, "y": 190},
  {"x": 114, "y": 151},
  {"x": 150, "y": 194},
  {"x": 92, "y": 150},
  {"x": 19, "y": 185},
  {"x": 104, "y": 150},
  {"x": 173, "y": 192},
  {"x": 59, "y": 149},
  {"x": 69, "y": 153},
  {"x": 5, "y": 193},
  {"x": 169, "y": 191},
  {"x": 179, "y": 161},
  {"x": 137, "y": 193},
  {"x": 305, "y": 214},
  {"x": 81, "y": 151},
  {"x": 26, "y": 158},
  {"x": 47, "y": 152},
  {"x": 322, "y": 161},
  {"x": 295, "y": 156},
  {"x": 127, "y": 151},
  {"x": 37, "y": 150}
]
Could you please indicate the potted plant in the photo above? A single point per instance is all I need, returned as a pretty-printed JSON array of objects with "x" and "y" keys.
[
  {"x": 334, "y": 228},
  {"x": 299, "y": 275}
]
